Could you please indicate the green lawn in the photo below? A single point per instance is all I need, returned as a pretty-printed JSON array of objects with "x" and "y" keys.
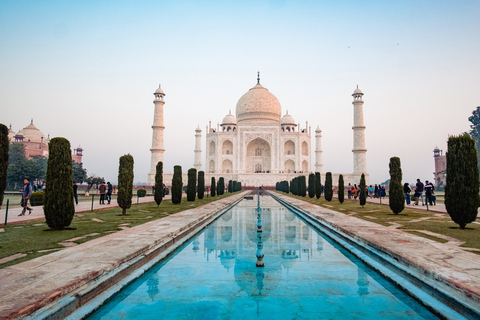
[
  {"x": 408, "y": 219},
  {"x": 34, "y": 238}
]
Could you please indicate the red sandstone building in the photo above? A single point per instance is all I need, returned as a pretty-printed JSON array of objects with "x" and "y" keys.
[{"x": 35, "y": 142}]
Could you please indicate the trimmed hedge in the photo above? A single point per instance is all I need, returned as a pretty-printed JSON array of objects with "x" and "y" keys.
[{"x": 37, "y": 198}]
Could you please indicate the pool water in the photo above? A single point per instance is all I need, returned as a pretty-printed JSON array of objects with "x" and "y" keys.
[{"x": 306, "y": 276}]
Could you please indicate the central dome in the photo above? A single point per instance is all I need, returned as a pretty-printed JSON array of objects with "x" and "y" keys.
[{"x": 258, "y": 105}]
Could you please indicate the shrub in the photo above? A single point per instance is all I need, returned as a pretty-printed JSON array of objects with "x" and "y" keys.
[
  {"x": 37, "y": 198},
  {"x": 125, "y": 182},
  {"x": 192, "y": 184},
  {"x": 201, "y": 185},
  {"x": 318, "y": 185},
  {"x": 311, "y": 185},
  {"x": 158, "y": 196},
  {"x": 177, "y": 185},
  {"x": 341, "y": 189},
  {"x": 461, "y": 191},
  {"x": 59, "y": 205},
  {"x": 363, "y": 192},
  {"x": 328, "y": 187},
  {"x": 213, "y": 187},
  {"x": 396, "y": 196},
  {"x": 4, "y": 147},
  {"x": 141, "y": 193},
  {"x": 221, "y": 186}
]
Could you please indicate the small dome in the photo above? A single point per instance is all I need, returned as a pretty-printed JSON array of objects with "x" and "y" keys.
[
  {"x": 11, "y": 133},
  {"x": 258, "y": 105},
  {"x": 79, "y": 147},
  {"x": 287, "y": 119},
  {"x": 357, "y": 91},
  {"x": 31, "y": 133},
  {"x": 229, "y": 119},
  {"x": 159, "y": 90}
]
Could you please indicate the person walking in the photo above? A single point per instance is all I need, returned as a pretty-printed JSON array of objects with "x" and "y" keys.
[
  {"x": 355, "y": 192},
  {"x": 75, "y": 194},
  {"x": 406, "y": 191},
  {"x": 27, "y": 192},
  {"x": 419, "y": 189},
  {"x": 102, "y": 190},
  {"x": 349, "y": 191},
  {"x": 109, "y": 192},
  {"x": 428, "y": 192}
]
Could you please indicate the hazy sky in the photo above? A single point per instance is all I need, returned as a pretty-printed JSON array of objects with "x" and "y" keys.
[{"x": 87, "y": 70}]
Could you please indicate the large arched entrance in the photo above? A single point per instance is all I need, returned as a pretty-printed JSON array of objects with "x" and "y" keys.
[{"x": 259, "y": 157}]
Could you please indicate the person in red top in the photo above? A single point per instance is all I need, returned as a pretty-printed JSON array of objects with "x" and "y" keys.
[{"x": 102, "y": 190}]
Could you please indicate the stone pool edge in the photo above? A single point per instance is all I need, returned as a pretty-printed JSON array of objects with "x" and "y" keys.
[
  {"x": 54, "y": 285},
  {"x": 452, "y": 271}
]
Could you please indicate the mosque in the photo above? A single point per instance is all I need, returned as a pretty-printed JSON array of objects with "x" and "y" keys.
[
  {"x": 258, "y": 146},
  {"x": 35, "y": 142}
]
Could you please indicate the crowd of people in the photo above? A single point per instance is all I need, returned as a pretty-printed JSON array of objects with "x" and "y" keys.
[{"x": 378, "y": 191}]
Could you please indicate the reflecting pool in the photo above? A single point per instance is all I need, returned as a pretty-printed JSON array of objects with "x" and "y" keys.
[{"x": 306, "y": 276}]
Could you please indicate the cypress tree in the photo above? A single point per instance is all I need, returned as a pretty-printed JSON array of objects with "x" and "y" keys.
[
  {"x": 221, "y": 186},
  {"x": 125, "y": 183},
  {"x": 328, "y": 187},
  {"x": 59, "y": 206},
  {"x": 177, "y": 185},
  {"x": 363, "y": 192},
  {"x": 4, "y": 147},
  {"x": 341, "y": 189},
  {"x": 158, "y": 196},
  {"x": 287, "y": 188},
  {"x": 192, "y": 184},
  {"x": 201, "y": 185},
  {"x": 213, "y": 187},
  {"x": 461, "y": 191},
  {"x": 311, "y": 185},
  {"x": 318, "y": 185},
  {"x": 230, "y": 186},
  {"x": 303, "y": 186},
  {"x": 396, "y": 197}
]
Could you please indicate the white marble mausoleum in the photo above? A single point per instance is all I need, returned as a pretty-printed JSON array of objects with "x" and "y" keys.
[{"x": 257, "y": 145}]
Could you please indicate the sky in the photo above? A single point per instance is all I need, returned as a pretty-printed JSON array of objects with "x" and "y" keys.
[{"x": 87, "y": 70}]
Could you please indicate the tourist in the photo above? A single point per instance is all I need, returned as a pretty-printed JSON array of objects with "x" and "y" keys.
[
  {"x": 355, "y": 192},
  {"x": 419, "y": 189},
  {"x": 164, "y": 190},
  {"x": 75, "y": 194},
  {"x": 428, "y": 192},
  {"x": 349, "y": 191},
  {"x": 406, "y": 191},
  {"x": 370, "y": 191},
  {"x": 27, "y": 192},
  {"x": 376, "y": 191},
  {"x": 109, "y": 192},
  {"x": 383, "y": 192},
  {"x": 153, "y": 190},
  {"x": 102, "y": 190}
]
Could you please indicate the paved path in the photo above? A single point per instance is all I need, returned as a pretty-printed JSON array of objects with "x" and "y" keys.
[
  {"x": 440, "y": 207},
  {"x": 37, "y": 213}
]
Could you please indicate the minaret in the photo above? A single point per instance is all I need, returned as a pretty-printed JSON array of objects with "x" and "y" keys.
[
  {"x": 318, "y": 151},
  {"x": 359, "y": 150},
  {"x": 198, "y": 149},
  {"x": 157, "y": 138}
]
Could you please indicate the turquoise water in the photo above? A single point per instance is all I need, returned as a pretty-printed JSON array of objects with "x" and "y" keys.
[{"x": 306, "y": 276}]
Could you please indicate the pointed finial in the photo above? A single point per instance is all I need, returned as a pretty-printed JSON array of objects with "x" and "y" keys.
[
  {"x": 357, "y": 86},
  {"x": 287, "y": 111},
  {"x": 230, "y": 111},
  {"x": 10, "y": 126},
  {"x": 31, "y": 122},
  {"x": 258, "y": 77},
  {"x": 159, "y": 85}
]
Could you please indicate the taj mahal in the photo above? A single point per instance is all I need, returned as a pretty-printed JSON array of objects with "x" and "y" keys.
[{"x": 257, "y": 146}]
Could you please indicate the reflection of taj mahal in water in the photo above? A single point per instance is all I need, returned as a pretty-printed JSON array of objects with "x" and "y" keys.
[
  {"x": 286, "y": 240},
  {"x": 258, "y": 146}
]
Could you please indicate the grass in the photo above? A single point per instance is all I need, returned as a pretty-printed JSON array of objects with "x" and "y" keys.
[
  {"x": 408, "y": 220},
  {"x": 32, "y": 238}
]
